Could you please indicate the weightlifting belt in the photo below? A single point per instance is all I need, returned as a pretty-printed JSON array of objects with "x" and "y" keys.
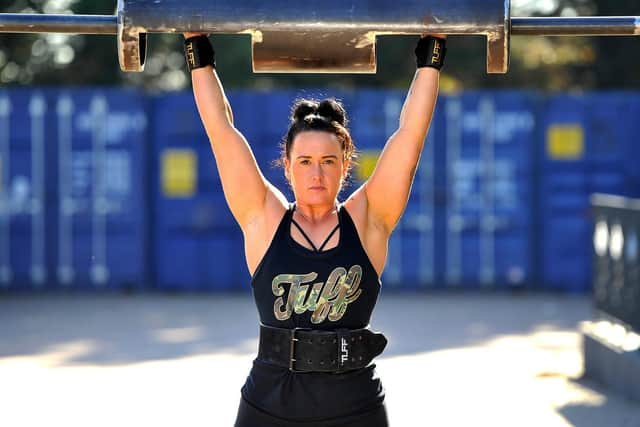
[{"x": 312, "y": 350}]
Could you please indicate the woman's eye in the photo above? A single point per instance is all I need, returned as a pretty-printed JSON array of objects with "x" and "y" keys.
[
  {"x": 304, "y": 162},
  {"x": 329, "y": 161}
]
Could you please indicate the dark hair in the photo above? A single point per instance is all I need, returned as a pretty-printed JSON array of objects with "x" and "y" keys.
[{"x": 327, "y": 115}]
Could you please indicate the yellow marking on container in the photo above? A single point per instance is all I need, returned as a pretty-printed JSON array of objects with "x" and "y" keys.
[
  {"x": 367, "y": 161},
  {"x": 179, "y": 173},
  {"x": 565, "y": 142}
]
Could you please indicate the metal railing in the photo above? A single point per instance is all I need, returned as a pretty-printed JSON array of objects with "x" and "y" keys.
[{"x": 616, "y": 258}]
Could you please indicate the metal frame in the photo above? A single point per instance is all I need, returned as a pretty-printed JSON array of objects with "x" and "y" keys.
[
  {"x": 520, "y": 25},
  {"x": 272, "y": 42}
]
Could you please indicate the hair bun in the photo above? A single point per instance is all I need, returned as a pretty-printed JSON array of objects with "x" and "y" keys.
[
  {"x": 330, "y": 109},
  {"x": 333, "y": 110},
  {"x": 303, "y": 108}
]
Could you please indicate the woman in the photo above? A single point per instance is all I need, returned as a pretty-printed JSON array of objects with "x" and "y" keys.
[{"x": 315, "y": 263}]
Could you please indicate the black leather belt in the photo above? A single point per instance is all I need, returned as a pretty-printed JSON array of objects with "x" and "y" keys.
[{"x": 312, "y": 350}]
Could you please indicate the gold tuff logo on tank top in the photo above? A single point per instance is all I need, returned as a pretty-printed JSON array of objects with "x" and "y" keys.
[{"x": 328, "y": 299}]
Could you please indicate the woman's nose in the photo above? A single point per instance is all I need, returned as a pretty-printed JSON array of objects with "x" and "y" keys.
[{"x": 317, "y": 170}]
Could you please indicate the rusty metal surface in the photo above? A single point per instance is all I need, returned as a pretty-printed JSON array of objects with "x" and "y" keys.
[
  {"x": 132, "y": 42},
  {"x": 520, "y": 25},
  {"x": 336, "y": 36},
  {"x": 379, "y": 16},
  {"x": 339, "y": 52}
]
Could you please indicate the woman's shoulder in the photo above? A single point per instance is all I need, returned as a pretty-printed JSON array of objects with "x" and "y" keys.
[
  {"x": 260, "y": 230},
  {"x": 275, "y": 208},
  {"x": 356, "y": 206}
]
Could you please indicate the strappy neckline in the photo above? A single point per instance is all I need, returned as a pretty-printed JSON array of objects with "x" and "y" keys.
[
  {"x": 315, "y": 250},
  {"x": 294, "y": 222}
]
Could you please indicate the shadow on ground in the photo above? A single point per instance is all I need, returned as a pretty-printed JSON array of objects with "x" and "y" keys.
[
  {"x": 600, "y": 414},
  {"x": 119, "y": 329}
]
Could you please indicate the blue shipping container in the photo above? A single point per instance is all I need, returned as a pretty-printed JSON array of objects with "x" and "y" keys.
[
  {"x": 488, "y": 176},
  {"x": 73, "y": 189},
  {"x": 585, "y": 144},
  {"x": 25, "y": 189},
  {"x": 500, "y": 198},
  {"x": 197, "y": 242},
  {"x": 101, "y": 217}
]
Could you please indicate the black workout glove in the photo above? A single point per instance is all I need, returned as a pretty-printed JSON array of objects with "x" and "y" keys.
[
  {"x": 199, "y": 52},
  {"x": 430, "y": 52}
]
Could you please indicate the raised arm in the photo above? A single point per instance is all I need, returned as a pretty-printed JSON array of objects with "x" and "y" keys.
[
  {"x": 388, "y": 188},
  {"x": 244, "y": 186}
]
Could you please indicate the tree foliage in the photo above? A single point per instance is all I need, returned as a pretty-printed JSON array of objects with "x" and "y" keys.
[{"x": 545, "y": 63}]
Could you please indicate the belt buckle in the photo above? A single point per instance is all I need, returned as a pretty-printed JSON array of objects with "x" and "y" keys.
[{"x": 292, "y": 351}]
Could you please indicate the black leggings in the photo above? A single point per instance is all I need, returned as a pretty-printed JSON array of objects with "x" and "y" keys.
[{"x": 250, "y": 416}]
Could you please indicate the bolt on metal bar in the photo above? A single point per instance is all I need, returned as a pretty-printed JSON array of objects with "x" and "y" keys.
[
  {"x": 520, "y": 26},
  {"x": 576, "y": 26},
  {"x": 73, "y": 24}
]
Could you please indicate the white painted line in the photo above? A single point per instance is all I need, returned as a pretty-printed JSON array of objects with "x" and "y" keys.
[
  {"x": 99, "y": 115},
  {"x": 64, "y": 111},
  {"x": 487, "y": 229},
  {"x": 5, "y": 183},
  {"x": 454, "y": 219},
  {"x": 37, "y": 111}
]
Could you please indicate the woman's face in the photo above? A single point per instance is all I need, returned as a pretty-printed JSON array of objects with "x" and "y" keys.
[{"x": 316, "y": 167}]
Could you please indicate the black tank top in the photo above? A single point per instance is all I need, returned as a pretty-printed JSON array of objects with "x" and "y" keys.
[{"x": 296, "y": 287}]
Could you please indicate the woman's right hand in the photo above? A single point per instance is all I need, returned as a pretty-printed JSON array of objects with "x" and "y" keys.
[{"x": 189, "y": 35}]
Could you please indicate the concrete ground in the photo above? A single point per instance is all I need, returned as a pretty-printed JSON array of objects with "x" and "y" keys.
[{"x": 156, "y": 360}]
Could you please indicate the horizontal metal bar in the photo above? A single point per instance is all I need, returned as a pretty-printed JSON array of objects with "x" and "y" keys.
[
  {"x": 576, "y": 26},
  {"x": 520, "y": 26},
  {"x": 73, "y": 24}
]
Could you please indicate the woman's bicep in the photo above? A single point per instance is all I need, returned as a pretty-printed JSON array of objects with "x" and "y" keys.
[
  {"x": 388, "y": 188},
  {"x": 245, "y": 187}
]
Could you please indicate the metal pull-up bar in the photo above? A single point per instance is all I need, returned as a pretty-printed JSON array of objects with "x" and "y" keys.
[
  {"x": 520, "y": 25},
  {"x": 576, "y": 26},
  {"x": 339, "y": 37}
]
